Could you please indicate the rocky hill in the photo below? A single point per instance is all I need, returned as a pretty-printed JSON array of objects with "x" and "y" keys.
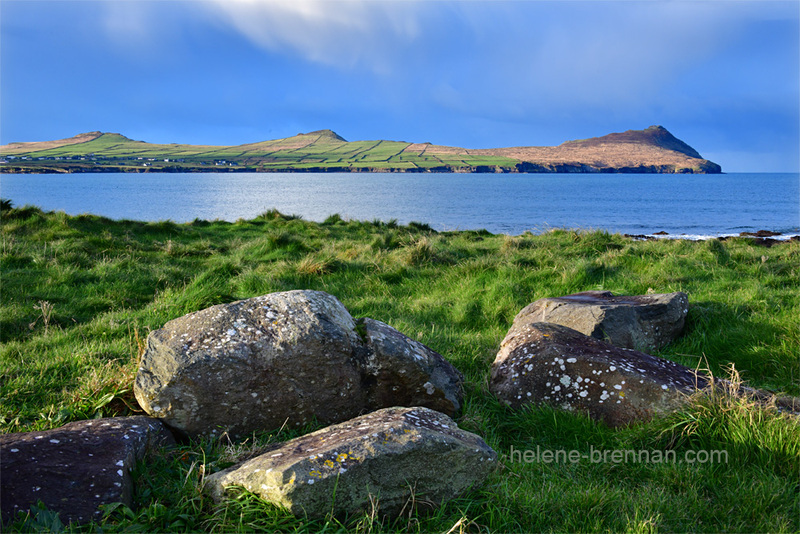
[{"x": 653, "y": 150}]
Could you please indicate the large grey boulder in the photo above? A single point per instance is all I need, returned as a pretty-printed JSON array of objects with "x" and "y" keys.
[
  {"x": 284, "y": 358},
  {"x": 76, "y": 468},
  {"x": 641, "y": 322},
  {"x": 390, "y": 455},
  {"x": 553, "y": 364}
]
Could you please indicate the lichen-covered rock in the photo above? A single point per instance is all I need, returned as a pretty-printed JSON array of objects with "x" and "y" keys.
[
  {"x": 76, "y": 468},
  {"x": 639, "y": 322},
  {"x": 407, "y": 372},
  {"x": 253, "y": 364},
  {"x": 387, "y": 454},
  {"x": 553, "y": 364},
  {"x": 283, "y": 358}
]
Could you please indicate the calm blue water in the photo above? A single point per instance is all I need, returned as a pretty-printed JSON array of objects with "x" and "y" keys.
[{"x": 697, "y": 205}]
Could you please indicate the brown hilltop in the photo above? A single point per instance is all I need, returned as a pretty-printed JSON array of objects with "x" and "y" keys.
[
  {"x": 33, "y": 146},
  {"x": 653, "y": 136},
  {"x": 651, "y": 150},
  {"x": 300, "y": 140},
  {"x": 329, "y": 134}
]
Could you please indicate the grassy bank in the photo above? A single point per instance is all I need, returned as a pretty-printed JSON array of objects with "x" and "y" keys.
[{"x": 80, "y": 294}]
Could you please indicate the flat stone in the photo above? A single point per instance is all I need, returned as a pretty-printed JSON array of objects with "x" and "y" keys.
[
  {"x": 546, "y": 363},
  {"x": 387, "y": 454},
  {"x": 641, "y": 322},
  {"x": 77, "y": 467}
]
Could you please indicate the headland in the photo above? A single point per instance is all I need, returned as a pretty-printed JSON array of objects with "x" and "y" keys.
[{"x": 652, "y": 150}]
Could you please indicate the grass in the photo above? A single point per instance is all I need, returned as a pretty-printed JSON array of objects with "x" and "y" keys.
[
  {"x": 80, "y": 294},
  {"x": 317, "y": 150}
]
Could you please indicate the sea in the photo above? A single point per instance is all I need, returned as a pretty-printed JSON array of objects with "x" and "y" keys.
[{"x": 684, "y": 206}]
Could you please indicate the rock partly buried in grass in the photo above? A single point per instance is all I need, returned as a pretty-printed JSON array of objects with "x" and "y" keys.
[
  {"x": 388, "y": 457},
  {"x": 635, "y": 322},
  {"x": 76, "y": 468},
  {"x": 285, "y": 358},
  {"x": 553, "y": 364}
]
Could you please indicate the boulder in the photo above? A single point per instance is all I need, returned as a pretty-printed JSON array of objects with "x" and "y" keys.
[
  {"x": 404, "y": 372},
  {"x": 641, "y": 322},
  {"x": 393, "y": 455},
  {"x": 284, "y": 358},
  {"x": 553, "y": 364},
  {"x": 76, "y": 468}
]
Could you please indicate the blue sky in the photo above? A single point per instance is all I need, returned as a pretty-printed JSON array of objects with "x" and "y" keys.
[{"x": 723, "y": 76}]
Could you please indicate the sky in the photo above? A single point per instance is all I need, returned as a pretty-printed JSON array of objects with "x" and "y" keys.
[{"x": 723, "y": 76}]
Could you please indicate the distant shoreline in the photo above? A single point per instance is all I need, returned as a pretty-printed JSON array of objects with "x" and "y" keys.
[
  {"x": 652, "y": 150},
  {"x": 519, "y": 169}
]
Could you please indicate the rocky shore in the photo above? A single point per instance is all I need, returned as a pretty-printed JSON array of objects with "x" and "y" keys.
[{"x": 764, "y": 238}]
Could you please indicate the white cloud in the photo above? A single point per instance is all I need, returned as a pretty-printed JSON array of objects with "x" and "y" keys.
[
  {"x": 589, "y": 50},
  {"x": 515, "y": 61},
  {"x": 331, "y": 32}
]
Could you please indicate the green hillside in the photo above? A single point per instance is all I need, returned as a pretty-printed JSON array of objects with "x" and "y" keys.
[
  {"x": 653, "y": 150},
  {"x": 321, "y": 150}
]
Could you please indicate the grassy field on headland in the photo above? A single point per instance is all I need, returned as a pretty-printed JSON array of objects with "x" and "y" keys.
[
  {"x": 650, "y": 150},
  {"x": 80, "y": 294}
]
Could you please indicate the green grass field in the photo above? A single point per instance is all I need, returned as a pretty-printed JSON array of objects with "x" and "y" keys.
[
  {"x": 80, "y": 294},
  {"x": 324, "y": 151}
]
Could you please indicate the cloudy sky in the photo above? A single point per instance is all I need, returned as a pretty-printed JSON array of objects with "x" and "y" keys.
[{"x": 723, "y": 76}]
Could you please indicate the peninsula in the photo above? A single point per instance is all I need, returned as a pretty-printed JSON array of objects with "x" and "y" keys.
[{"x": 653, "y": 150}]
